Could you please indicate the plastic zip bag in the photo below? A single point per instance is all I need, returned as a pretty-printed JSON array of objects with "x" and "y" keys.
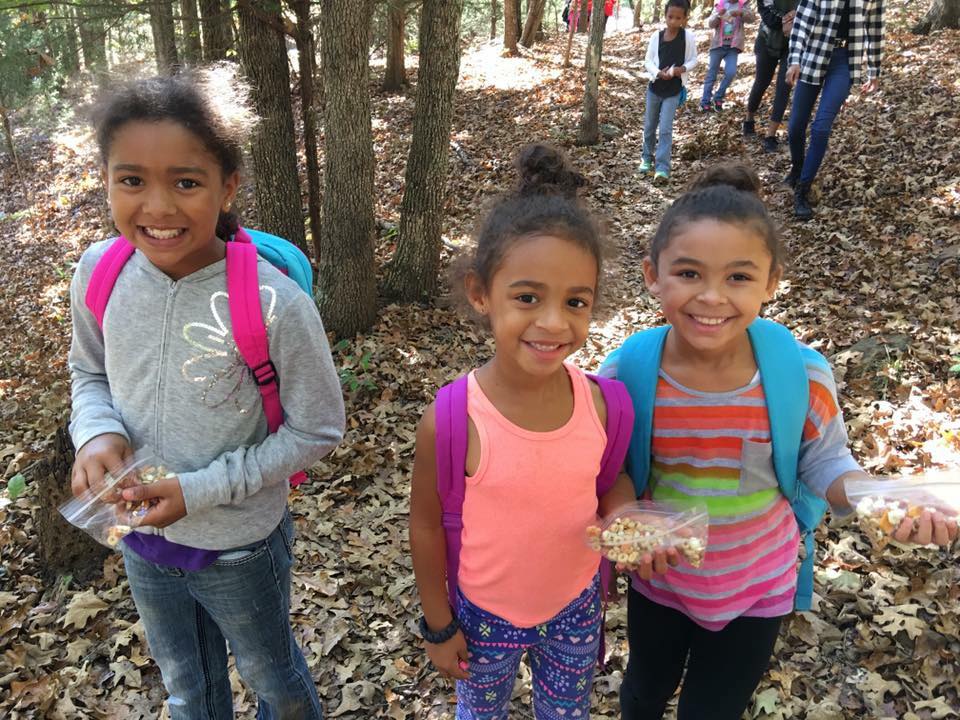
[
  {"x": 102, "y": 514},
  {"x": 643, "y": 527}
]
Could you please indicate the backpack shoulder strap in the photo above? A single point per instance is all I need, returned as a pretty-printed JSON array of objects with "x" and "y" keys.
[
  {"x": 637, "y": 368},
  {"x": 619, "y": 427},
  {"x": 105, "y": 275},
  {"x": 786, "y": 387},
  {"x": 451, "y": 453}
]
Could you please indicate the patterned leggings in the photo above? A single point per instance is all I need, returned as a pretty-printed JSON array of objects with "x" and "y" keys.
[{"x": 563, "y": 655}]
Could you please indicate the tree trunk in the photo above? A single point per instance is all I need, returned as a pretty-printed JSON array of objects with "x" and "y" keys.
[
  {"x": 534, "y": 19},
  {"x": 71, "y": 49},
  {"x": 589, "y": 122},
  {"x": 638, "y": 13},
  {"x": 164, "y": 36},
  {"x": 263, "y": 52},
  {"x": 510, "y": 20},
  {"x": 190, "y": 22},
  {"x": 656, "y": 11},
  {"x": 62, "y": 548},
  {"x": 93, "y": 40},
  {"x": 8, "y": 136},
  {"x": 572, "y": 16},
  {"x": 305, "y": 58},
  {"x": 583, "y": 18},
  {"x": 217, "y": 30},
  {"x": 413, "y": 273},
  {"x": 347, "y": 293},
  {"x": 943, "y": 14},
  {"x": 395, "y": 75},
  {"x": 494, "y": 11}
]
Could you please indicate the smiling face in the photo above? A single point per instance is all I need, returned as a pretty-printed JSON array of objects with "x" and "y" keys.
[
  {"x": 166, "y": 191},
  {"x": 539, "y": 302},
  {"x": 712, "y": 279}
]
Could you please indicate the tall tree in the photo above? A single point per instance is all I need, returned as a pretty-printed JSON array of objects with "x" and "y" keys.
[
  {"x": 494, "y": 11},
  {"x": 511, "y": 16},
  {"x": 71, "y": 46},
  {"x": 638, "y": 13},
  {"x": 589, "y": 122},
  {"x": 306, "y": 56},
  {"x": 395, "y": 75},
  {"x": 164, "y": 35},
  {"x": 413, "y": 273},
  {"x": 535, "y": 10},
  {"x": 217, "y": 29},
  {"x": 347, "y": 293},
  {"x": 943, "y": 14},
  {"x": 93, "y": 39},
  {"x": 190, "y": 21},
  {"x": 263, "y": 52}
]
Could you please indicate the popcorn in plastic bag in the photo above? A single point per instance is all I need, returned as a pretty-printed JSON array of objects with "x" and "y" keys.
[
  {"x": 643, "y": 527},
  {"x": 102, "y": 513}
]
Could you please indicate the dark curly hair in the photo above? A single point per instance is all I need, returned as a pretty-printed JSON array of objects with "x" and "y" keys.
[
  {"x": 728, "y": 193},
  {"x": 213, "y": 103}
]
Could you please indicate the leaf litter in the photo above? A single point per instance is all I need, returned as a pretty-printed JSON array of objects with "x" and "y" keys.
[{"x": 872, "y": 283}]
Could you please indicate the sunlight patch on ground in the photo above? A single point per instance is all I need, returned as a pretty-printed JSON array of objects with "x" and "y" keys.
[{"x": 484, "y": 68}]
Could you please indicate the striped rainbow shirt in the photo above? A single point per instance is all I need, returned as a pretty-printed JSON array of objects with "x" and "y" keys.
[{"x": 715, "y": 447}]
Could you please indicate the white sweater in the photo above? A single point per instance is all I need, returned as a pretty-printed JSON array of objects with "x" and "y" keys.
[{"x": 652, "y": 62}]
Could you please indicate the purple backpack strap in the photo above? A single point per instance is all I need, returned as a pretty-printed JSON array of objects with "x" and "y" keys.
[
  {"x": 249, "y": 332},
  {"x": 451, "y": 452},
  {"x": 105, "y": 275}
]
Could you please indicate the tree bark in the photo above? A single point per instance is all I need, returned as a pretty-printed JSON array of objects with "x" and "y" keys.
[
  {"x": 347, "y": 287},
  {"x": 494, "y": 12},
  {"x": 534, "y": 19},
  {"x": 71, "y": 50},
  {"x": 510, "y": 20},
  {"x": 572, "y": 16},
  {"x": 656, "y": 11},
  {"x": 395, "y": 75},
  {"x": 943, "y": 14},
  {"x": 589, "y": 120},
  {"x": 190, "y": 23},
  {"x": 263, "y": 53},
  {"x": 305, "y": 57},
  {"x": 93, "y": 40},
  {"x": 583, "y": 19},
  {"x": 217, "y": 29},
  {"x": 164, "y": 36},
  {"x": 8, "y": 136},
  {"x": 413, "y": 272},
  {"x": 638, "y": 13}
]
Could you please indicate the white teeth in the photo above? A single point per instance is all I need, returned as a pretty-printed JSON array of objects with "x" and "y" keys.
[
  {"x": 543, "y": 348},
  {"x": 162, "y": 234},
  {"x": 709, "y": 320}
]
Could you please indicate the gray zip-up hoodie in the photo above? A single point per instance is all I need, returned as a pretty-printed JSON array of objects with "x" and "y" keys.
[{"x": 166, "y": 374}]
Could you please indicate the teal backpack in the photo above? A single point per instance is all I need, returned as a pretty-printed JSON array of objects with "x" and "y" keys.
[{"x": 782, "y": 362}]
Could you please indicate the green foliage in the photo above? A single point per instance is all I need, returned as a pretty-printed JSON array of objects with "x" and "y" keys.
[
  {"x": 354, "y": 367},
  {"x": 956, "y": 368},
  {"x": 16, "y": 485},
  {"x": 24, "y": 56}
]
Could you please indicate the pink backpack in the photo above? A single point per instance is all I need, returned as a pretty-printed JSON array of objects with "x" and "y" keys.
[
  {"x": 451, "y": 448},
  {"x": 243, "y": 297}
]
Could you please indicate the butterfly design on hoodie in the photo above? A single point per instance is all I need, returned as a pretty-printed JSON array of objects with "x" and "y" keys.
[{"x": 217, "y": 365}]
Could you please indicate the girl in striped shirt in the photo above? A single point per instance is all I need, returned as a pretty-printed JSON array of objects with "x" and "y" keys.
[{"x": 714, "y": 261}]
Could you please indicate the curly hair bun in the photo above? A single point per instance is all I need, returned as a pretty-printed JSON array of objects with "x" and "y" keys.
[
  {"x": 545, "y": 170},
  {"x": 736, "y": 175}
]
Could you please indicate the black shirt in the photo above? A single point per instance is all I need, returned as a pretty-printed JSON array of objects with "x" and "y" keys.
[
  {"x": 671, "y": 53},
  {"x": 843, "y": 28}
]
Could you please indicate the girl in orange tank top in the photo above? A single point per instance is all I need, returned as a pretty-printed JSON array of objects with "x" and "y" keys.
[{"x": 527, "y": 581}]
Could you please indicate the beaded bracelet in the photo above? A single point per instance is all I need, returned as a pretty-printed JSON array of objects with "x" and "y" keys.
[{"x": 440, "y": 636}]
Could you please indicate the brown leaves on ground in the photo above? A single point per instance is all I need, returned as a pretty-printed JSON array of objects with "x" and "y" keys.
[{"x": 872, "y": 282}]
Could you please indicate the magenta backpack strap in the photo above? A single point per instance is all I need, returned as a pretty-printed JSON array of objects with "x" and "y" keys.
[
  {"x": 451, "y": 452},
  {"x": 105, "y": 275}
]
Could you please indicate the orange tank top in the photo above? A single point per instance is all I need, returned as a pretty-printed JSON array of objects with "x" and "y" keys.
[{"x": 525, "y": 511}]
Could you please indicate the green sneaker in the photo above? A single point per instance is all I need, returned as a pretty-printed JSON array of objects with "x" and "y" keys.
[
  {"x": 646, "y": 167},
  {"x": 660, "y": 177}
]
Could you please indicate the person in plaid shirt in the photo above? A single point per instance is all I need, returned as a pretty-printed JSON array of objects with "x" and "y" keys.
[{"x": 834, "y": 44}]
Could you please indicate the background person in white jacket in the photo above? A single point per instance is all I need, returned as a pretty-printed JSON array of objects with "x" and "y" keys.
[{"x": 671, "y": 54}]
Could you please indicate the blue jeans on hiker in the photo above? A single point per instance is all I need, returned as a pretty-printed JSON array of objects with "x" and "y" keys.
[
  {"x": 243, "y": 598},
  {"x": 833, "y": 92},
  {"x": 728, "y": 56},
  {"x": 659, "y": 115}
]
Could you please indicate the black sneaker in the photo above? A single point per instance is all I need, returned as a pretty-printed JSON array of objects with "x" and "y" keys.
[
  {"x": 801, "y": 202},
  {"x": 770, "y": 144},
  {"x": 749, "y": 128},
  {"x": 792, "y": 178}
]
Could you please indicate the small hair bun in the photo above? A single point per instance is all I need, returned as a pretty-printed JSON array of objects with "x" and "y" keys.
[
  {"x": 736, "y": 175},
  {"x": 545, "y": 170}
]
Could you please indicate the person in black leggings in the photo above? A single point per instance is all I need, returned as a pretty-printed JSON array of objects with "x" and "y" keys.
[
  {"x": 770, "y": 50},
  {"x": 724, "y": 667}
]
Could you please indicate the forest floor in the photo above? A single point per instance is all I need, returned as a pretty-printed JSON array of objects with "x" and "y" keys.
[{"x": 872, "y": 283}]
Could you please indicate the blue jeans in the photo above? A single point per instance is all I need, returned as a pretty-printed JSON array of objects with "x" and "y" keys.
[
  {"x": 835, "y": 89},
  {"x": 242, "y": 599},
  {"x": 729, "y": 57},
  {"x": 659, "y": 114}
]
